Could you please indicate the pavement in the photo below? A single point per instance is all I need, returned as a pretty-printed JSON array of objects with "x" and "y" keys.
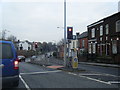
[
  {"x": 55, "y": 63},
  {"x": 101, "y": 64}
]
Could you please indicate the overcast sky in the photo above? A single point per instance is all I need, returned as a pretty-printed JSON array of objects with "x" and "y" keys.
[{"x": 37, "y": 20}]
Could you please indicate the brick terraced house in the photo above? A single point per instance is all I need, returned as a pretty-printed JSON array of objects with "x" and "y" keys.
[
  {"x": 82, "y": 46},
  {"x": 104, "y": 39}
]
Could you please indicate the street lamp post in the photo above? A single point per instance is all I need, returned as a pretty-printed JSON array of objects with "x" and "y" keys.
[
  {"x": 65, "y": 45},
  {"x": 65, "y": 64}
]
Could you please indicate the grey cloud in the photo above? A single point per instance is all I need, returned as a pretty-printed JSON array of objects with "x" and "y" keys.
[{"x": 39, "y": 21}]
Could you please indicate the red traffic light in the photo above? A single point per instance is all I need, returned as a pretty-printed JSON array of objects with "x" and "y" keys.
[
  {"x": 70, "y": 29},
  {"x": 69, "y": 32}
]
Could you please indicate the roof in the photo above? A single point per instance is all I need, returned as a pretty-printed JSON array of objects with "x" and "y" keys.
[
  {"x": 102, "y": 20},
  {"x": 83, "y": 35},
  {"x": 5, "y": 41}
]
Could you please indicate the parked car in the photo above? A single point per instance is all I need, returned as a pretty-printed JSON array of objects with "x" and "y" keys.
[
  {"x": 21, "y": 58},
  {"x": 9, "y": 64},
  {"x": 33, "y": 57}
]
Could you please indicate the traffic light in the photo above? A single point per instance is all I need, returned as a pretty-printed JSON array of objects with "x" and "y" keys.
[
  {"x": 36, "y": 45},
  {"x": 69, "y": 32}
]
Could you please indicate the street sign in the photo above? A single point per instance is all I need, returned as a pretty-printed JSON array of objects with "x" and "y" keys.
[
  {"x": 75, "y": 63},
  {"x": 74, "y": 59}
]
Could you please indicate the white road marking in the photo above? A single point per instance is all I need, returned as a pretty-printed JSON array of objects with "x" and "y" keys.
[
  {"x": 109, "y": 82},
  {"x": 108, "y": 74},
  {"x": 40, "y": 72},
  {"x": 72, "y": 73},
  {"x": 96, "y": 80},
  {"x": 91, "y": 78},
  {"x": 43, "y": 65},
  {"x": 89, "y": 74},
  {"x": 114, "y": 82},
  {"x": 28, "y": 88}
]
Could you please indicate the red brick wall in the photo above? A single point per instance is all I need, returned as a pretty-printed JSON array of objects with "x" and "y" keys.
[{"x": 86, "y": 43}]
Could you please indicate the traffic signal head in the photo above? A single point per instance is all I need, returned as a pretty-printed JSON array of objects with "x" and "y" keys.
[{"x": 69, "y": 32}]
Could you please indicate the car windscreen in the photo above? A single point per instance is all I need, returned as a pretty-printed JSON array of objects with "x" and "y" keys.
[{"x": 6, "y": 51}]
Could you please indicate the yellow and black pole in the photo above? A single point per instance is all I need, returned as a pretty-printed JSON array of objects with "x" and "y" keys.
[{"x": 75, "y": 59}]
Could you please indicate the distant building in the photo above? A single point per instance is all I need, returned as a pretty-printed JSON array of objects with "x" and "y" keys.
[
  {"x": 60, "y": 51},
  {"x": 73, "y": 44},
  {"x": 24, "y": 45},
  {"x": 104, "y": 38},
  {"x": 83, "y": 42},
  {"x": 82, "y": 46}
]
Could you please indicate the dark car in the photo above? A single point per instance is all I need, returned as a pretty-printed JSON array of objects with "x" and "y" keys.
[
  {"x": 21, "y": 58},
  {"x": 9, "y": 64}
]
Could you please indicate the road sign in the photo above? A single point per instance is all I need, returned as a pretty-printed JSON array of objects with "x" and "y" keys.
[
  {"x": 75, "y": 62},
  {"x": 74, "y": 59}
]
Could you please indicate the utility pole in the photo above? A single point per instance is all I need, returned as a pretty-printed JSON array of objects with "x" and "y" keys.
[{"x": 65, "y": 63}]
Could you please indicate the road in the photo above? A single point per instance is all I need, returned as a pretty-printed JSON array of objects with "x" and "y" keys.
[{"x": 35, "y": 76}]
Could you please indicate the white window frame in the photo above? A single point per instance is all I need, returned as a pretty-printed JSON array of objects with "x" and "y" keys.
[
  {"x": 101, "y": 30},
  {"x": 106, "y": 38},
  {"x": 94, "y": 47},
  {"x": 101, "y": 38},
  {"x": 114, "y": 46},
  {"x": 93, "y": 33},
  {"x": 83, "y": 43},
  {"x": 118, "y": 26},
  {"x": 107, "y": 29},
  {"x": 90, "y": 48}
]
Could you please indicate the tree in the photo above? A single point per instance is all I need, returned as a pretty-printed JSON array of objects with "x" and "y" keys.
[
  {"x": 3, "y": 33},
  {"x": 61, "y": 42},
  {"x": 12, "y": 38}
]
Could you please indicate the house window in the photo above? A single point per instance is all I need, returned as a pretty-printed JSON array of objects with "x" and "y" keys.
[
  {"x": 114, "y": 47},
  {"x": 83, "y": 43},
  {"x": 93, "y": 33},
  {"x": 94, "y": 48},
  {"x": 106, "y": 38},
  {"x": 89, "y": 48},
  {"x": 118, "y": 26},
  {"x": 101, "y": 49},
  {"x": 101, "y": 30},
  {"x": 107, "y": 49},
  {"x": 28, "y": 48},
  {"x": 100, "y": 38},
  {"x": 107, "y": 28},
  {"x": 21, "y": 47}
]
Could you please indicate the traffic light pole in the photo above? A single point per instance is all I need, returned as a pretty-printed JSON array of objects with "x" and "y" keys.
[{"x": 65, "y": 63}]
